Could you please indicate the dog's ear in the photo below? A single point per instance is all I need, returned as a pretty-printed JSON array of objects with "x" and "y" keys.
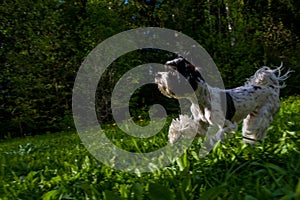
[
  {"x": 199, "y": 76},
  {"x": 194, "y": 72},
  {"x": 190, "y": 67}
]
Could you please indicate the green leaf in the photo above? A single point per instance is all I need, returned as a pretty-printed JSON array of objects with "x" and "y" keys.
[
  {"x": 195, "y": 155},
  {"x": 249, "y": 197},
  {"x": 51, "y": 195},
  {"x": 137, "y": 191},
  {"x": 213, "y": 192},
  {"x": 275, "y": 167},
  {"x": 297, "y": 195},
  {"x": 182, "y": 162},
  {"x": 160, "y": 192}
]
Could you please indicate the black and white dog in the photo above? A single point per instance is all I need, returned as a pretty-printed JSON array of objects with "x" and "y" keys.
[{"x": 255, "y": 103}]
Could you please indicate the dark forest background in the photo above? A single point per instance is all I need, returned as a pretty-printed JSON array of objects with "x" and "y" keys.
[{"x": 44, "y": 42}]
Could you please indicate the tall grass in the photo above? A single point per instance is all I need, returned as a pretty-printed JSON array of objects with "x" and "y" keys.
[{"x": 58, "y": 166}]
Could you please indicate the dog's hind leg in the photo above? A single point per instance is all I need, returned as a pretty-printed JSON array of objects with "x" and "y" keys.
[{"x": 255, "y": 125}]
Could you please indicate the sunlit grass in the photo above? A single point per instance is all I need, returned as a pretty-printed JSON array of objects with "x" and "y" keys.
[{"x": 58, "y": 166}]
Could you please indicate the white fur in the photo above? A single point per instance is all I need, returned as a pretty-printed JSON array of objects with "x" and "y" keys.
[{"x": 256, "y": 104}]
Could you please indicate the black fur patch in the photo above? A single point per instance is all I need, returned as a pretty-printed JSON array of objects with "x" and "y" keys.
[
  {"x": 187, "y": 70},
  {"x": 256, "y": 87},
  {"x": 230, "y": 111}
]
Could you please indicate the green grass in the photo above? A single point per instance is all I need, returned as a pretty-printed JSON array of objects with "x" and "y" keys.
[{"x": 57, "y": 166}]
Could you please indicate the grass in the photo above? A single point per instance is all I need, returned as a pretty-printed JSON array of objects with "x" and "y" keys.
[{"x": 58, "y": 166}]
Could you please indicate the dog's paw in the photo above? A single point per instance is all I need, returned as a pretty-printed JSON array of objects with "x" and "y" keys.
[{"x": 183, "y": 126}]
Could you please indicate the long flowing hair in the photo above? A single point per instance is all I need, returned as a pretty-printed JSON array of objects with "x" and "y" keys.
[{"x": 266, "y": 76}]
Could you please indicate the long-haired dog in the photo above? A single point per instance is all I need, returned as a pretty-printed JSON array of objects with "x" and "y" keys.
[{"x": 255, "y": 103}]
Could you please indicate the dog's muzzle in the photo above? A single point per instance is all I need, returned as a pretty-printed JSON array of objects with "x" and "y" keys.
[{"x": 162, "y": 80}]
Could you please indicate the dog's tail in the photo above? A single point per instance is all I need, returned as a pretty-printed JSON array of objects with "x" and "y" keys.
[
  {"x": 282, "y": 78},
  {"x": 266, "y": 76}
]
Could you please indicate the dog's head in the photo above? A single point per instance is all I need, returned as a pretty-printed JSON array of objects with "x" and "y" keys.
[{"x": 181, "y": 75}]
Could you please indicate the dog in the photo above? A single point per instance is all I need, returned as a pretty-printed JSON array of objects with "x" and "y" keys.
[{"x": 255, "y": 103}]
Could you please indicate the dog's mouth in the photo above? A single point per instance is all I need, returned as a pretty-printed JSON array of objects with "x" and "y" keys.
[
  {"x": 166, "y": 91},
  {"x": 162, "y": 79},
  {"x": 172, "y": 70},
  {"x": 172, "y": 83},
  {"x": 171, "y": 67}
]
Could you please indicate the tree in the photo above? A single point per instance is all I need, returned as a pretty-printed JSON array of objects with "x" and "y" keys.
[{"x": 43, "y": 43}]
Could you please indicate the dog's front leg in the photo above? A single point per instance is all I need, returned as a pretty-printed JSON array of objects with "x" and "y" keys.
[
  {"x": 174, "y": 131},
  {"x": 184, "y": 126}
]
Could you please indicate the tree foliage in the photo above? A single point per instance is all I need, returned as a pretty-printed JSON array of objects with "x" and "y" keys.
[{"x": 43, "y": 42}]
